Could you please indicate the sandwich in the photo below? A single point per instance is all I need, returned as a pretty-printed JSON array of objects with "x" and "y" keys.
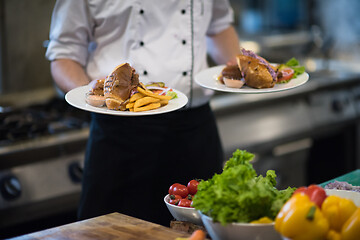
[
  {"x": 256, "y": 71},
  {"x": 119, "y": 85}
]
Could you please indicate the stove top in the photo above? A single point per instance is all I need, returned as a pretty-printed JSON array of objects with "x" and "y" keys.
[
  {"x": 45, "y": 119},
  {"x": 42, "y": 149}
]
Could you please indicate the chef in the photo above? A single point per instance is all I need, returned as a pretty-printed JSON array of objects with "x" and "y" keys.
[{"x": 131, "y": 161}]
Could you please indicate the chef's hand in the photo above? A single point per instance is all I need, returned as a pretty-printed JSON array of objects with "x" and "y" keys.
[{"x": 68, "y": 74}]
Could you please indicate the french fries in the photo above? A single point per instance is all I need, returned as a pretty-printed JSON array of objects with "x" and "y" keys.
[
  {"x": 151, "y": 94},
  {"x": 147, "y": 107},
  {"x": 130, "y": 105},
  {"x": 164, "y": 102},
  {"x": 136, "y": 96},
  {"x": 145, "y": 100}
]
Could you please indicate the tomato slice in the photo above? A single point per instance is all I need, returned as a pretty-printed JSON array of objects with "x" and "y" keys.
[
  {"x": 285, "y": 74},
  {"x": 157, "y": 91}
]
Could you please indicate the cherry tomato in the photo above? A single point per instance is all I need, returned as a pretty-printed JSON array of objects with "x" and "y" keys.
[
  {"x": 174, "y": 199},
  {"x": 185, "y": 203},
  {"x": 285, "y": 74},
  {"x": 171, "y": 189},
  {"x": 180, "y": 190},
  {"x": 192, "y": 186}
]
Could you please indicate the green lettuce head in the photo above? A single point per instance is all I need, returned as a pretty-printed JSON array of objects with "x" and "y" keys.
[{"x": 238, "y": 194}]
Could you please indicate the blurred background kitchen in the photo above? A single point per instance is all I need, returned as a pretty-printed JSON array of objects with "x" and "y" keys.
[{"x": 307, "y": 135}]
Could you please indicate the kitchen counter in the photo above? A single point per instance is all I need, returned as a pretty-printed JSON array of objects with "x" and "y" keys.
[{"x": 110, "y": 226}]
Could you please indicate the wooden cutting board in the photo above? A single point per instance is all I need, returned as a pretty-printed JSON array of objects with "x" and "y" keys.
[{"x": 111, "y": 226}]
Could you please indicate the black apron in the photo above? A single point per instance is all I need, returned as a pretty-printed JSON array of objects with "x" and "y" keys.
[{"x": 132, "y": 161}]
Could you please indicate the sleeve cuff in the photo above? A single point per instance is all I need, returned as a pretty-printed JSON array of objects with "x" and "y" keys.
[
  {"x": 223, "y": 17},
  {"x": 76, "y": 52}
]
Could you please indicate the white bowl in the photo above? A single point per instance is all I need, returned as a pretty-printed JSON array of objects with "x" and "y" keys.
[
  {"x": 240, "y": 231},
  {"x": 184, "y": 214},
  {"x": 355, "y": 196}
]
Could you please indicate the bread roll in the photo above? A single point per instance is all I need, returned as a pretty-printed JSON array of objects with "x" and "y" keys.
[
  {"x": 256, "y": 74},
  {"x": 118, "y": 86}
]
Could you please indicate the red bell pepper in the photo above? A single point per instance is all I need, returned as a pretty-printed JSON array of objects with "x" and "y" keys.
[{"x": 316, "y": 193}]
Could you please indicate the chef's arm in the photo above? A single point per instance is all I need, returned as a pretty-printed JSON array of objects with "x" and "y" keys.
[
  {"x": 224, "y": 46},
  {"x": 68, "y": 74}
]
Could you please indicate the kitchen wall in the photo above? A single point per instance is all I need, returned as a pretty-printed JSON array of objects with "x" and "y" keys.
[
  {"x": 24, "y": 31},
  {"x": 339, "y": 23},
  {"x": 274, "y": 28},
  {"x": 315, "y": 28}
]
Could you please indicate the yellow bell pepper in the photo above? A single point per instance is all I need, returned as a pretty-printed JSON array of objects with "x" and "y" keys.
[
  {"x": 351, "y": 228},
  {"x": 337, "y": 210},
  {"x": 301, "y": 219},
  {"x": 333, "y": 235},
  {"x": 262, "y": 220}
]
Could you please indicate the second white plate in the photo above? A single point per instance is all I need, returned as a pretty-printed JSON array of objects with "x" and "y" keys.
[{"x": 208, "y": 79}]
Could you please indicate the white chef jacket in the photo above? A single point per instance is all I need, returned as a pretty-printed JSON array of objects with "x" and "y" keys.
[{"x": 164, "y": 40}]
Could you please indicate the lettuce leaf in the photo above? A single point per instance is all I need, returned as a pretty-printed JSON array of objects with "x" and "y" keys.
[
  {"x": 292, "y": 62},
  {"x": 238, "y": 194},
  {"x": 172, "y": 94},
  {"x": 295, "y": 65},
  {"x": 298, "y": 70}
]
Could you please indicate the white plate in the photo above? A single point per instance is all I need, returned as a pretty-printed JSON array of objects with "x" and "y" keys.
[
  {"x": 208, "y": 79},
  {"x": 76, "y": 98}
]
